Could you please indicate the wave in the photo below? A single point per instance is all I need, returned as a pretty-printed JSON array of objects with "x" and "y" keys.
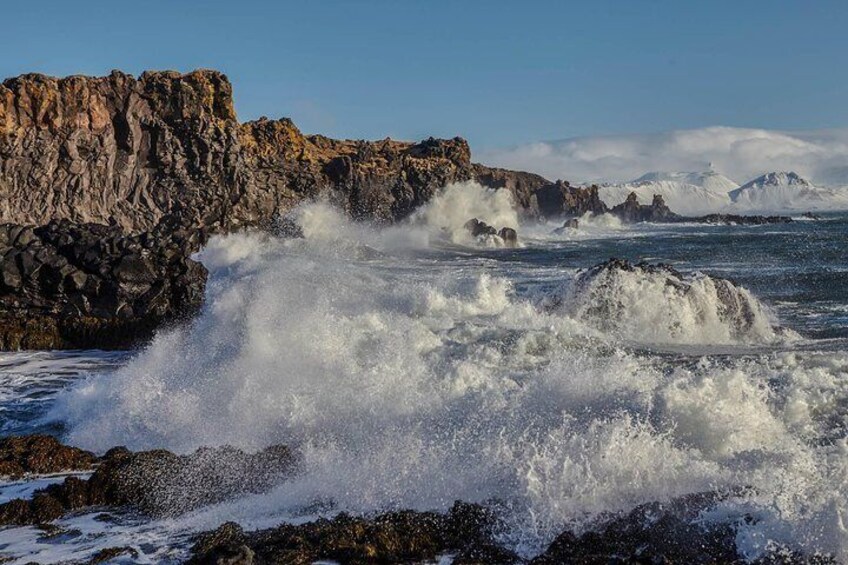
[
  {"x": 409, "y": 380},
  {"x": 656, "y": 304}
]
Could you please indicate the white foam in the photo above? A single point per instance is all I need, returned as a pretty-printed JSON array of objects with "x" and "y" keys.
[{"x": 406, "y": 382}]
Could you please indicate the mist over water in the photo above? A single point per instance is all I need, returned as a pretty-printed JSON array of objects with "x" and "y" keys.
[{"x": 412, "y": 366}]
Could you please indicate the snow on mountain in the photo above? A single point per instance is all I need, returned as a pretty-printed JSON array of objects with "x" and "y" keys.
[
  {"x": 786, "y": 192},
  {"x": 690, "y": 194}
]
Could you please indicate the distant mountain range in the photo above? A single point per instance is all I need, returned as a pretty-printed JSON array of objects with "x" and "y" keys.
[{"x": 698, "y": 193}]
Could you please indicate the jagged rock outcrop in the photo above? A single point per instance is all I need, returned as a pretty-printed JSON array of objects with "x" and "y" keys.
[
  {"x": 631, "y": 211},
  {"x": 560, "y": 198},
  {"x": 130, "y": 150},
  {"x": 40, "y": 454},
  {"x": 156, "y": 482},
  {"x": 160, "y": 154},
  {"x": 134, "y": 150},
  {"x": 65, "y": 285},
  {"x": 380, "y": 181}
]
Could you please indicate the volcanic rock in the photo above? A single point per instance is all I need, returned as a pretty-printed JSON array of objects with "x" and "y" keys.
[
  {"x": 156, "y": 482},
  {"x": 631, "y": 211},
  {"x": 41, "y": 454},
  {"x": 90, "y": 285}
]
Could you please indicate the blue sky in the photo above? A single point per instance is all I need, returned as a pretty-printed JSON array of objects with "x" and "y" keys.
[{"x": 498, "y": 73}]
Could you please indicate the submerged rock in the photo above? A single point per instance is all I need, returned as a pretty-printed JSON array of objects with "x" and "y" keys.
[
  {"x": 657, "y": 304},
  {"x": 734, "y": 219}
]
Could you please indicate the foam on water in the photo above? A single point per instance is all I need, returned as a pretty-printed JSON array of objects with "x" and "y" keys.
[{"x": 409, "y": 379}]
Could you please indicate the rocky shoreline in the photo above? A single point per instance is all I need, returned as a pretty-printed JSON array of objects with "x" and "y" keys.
[{"x": 159, "y": 483}]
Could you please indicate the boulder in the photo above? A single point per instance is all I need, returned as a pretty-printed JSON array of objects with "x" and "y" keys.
[{"x": 39, "y": 455}]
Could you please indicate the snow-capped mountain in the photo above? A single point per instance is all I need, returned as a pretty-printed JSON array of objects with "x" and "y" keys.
[
  {"x": 786, "y": 192},
  {"x": 687, "y": 193}
]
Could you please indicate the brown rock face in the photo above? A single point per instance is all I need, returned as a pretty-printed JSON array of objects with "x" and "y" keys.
[
  {"x": 91, "y": 149},
  {"x": 41, "y": 454},
  {"x": 133, "y": 150},
  {"x": 381, "y": 180}
]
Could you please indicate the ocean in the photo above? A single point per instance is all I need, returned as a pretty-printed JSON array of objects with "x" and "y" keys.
[{"x": 412, "y": 365}]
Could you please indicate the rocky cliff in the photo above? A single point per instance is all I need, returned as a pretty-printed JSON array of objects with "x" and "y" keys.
[
  {"x": 107, "y": 184},
  {"x": 131, "y": 151}
]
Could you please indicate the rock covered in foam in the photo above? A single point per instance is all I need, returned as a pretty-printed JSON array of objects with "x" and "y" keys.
[
  {"x": 480, "y": 229},
  {"x": 658, "y": 304},
  {"x": 156, "y": 482}
]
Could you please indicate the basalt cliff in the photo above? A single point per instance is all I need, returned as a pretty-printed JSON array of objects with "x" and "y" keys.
[{"x": 131, "y": 151}]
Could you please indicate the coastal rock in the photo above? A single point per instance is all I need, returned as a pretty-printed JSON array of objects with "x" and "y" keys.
[
  {"x": 90, "y": 285},
  {"x": 478, "y": 228},
  {"x": 560, "y": 198},
  {"x": 734, "y": 219},
  {"x": 632, "y": 212},
  {"x": 39, "y": 455},
  {"x": 394, "y": 537},
  {"x": 156, "y": 482},
  {"x": 135, "y": 150},
  {"x": 509, "y": 236}
]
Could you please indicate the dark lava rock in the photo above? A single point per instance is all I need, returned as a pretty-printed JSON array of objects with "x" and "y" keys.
[
  {"x": 108, "y": 554},
  {"x": 69, "y": 285},
  {"x": 157, "y": 482},
  {"x": 394, "y": 537},
  {"x": 41, "y": 454},
  {"x": 479, "y": 228},
  {"x": 733, "y": 219},
  {"x": 631, "y": 211},
  {"x": 560, "y": 198}
]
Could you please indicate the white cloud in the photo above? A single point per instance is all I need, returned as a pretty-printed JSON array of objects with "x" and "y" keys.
[{"x": 739, "y": 153}]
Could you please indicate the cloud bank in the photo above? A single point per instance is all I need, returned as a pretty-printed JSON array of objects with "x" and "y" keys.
[{"x": 739, "y": 153}]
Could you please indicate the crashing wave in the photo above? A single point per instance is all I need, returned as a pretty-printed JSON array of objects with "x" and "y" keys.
[{"x": 657, "y": 304}]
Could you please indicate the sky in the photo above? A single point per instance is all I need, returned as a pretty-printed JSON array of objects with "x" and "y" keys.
[{"x": 501, "y": 74}]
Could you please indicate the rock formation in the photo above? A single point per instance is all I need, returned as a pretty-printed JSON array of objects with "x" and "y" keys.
[
  {"x": 87, "y": 285},
  {"x": 631, "y": 211},
  {"x": 560, "y": 198},
  {"x": 134, "y": 150}
]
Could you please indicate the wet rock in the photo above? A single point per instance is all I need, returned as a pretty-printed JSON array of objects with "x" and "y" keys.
[
  {"x": 631, "y": 211},
  {"x": 110, "y": 553},
  {"x": 394, "y": 537},
  {"x": 651, "y": 533},
  {"x": 810, "y": 216},
  {"x": 734, "y": 219},
  {"x": 570, "y": 224},
  {"x": 157, "y": 482},
  {"x": 90, "y": 285},
  {"x": 41, "y": 454},
  {"x": 509, "y": 236},
  {"x": 478, "y": 228}
]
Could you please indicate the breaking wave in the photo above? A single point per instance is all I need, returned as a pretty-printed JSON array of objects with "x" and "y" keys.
[
  {"x": 656, "y": 304},
  {"x": 407, "y": 378}
]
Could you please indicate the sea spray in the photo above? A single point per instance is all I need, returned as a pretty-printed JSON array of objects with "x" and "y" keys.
[{"x": 404, "y": 381}]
